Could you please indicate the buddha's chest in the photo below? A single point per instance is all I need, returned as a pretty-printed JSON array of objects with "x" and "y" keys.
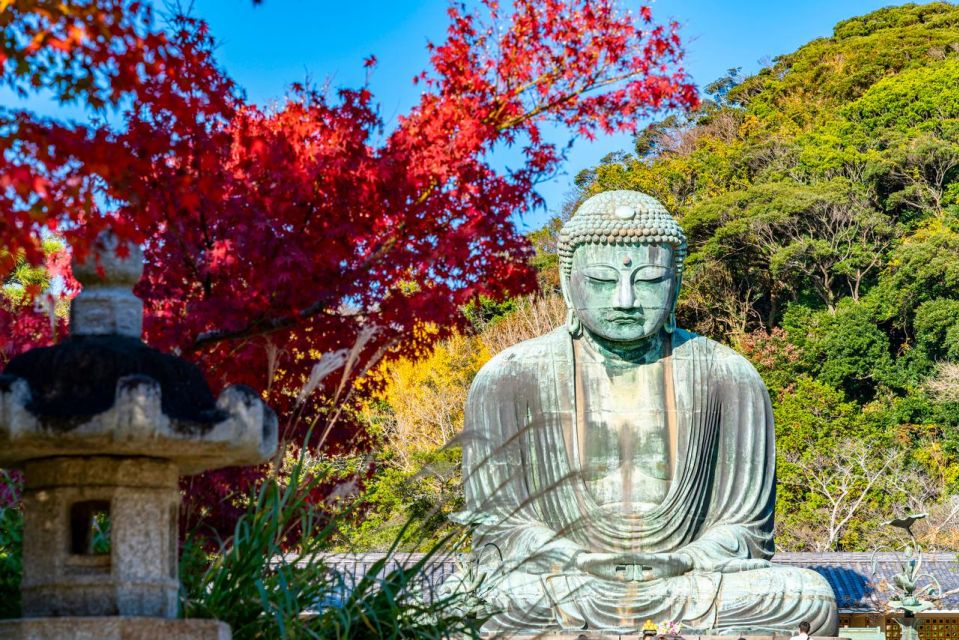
[{"x": 624, "y": 436}]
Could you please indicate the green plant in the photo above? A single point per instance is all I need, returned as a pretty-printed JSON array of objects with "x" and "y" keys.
[
  {"x": 11, "y": 544},
  {"x": 271, "y": 579}
]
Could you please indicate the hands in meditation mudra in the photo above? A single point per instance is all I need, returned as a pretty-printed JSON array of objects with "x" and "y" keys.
[{"x": 619, "y": 469}]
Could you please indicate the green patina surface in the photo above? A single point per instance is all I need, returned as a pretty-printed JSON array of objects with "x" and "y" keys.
[{"x": 621, "y": 470}]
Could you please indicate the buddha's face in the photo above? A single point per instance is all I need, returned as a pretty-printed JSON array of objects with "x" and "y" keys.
[{"x": 622, "y": 293}]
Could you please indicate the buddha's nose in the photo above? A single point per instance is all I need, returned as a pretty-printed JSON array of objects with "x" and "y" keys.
[{"x": 625, "y": 297}]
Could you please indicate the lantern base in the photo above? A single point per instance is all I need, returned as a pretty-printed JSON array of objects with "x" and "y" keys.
[{"x": 113, "y": 628}]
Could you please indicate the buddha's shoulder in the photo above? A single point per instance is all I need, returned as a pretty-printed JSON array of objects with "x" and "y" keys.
[
  {"x": 527, "y": 355},
  {"x": 722, "y": 360},
  {"x": 530, "y": 356}
]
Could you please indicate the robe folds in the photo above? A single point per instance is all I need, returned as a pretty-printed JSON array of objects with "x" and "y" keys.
[{"x": 533, "y": 514}]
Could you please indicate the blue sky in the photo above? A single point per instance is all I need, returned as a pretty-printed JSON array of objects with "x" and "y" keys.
[{"x": 268, "y": 46}]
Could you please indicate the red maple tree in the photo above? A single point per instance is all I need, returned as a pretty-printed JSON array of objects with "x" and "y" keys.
[{"x": 274, "y": 236}]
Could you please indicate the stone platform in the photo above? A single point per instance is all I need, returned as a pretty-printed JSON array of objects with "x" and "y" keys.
[
  {"x": 633, "y": 636},
  {"x": 113, "y": 628}
]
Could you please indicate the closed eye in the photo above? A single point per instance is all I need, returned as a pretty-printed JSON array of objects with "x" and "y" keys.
[
  {"x": 601, "y": 274},
  {"x": 651, "y": 273}
]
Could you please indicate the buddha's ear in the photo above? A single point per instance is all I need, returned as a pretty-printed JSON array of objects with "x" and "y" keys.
[
  {"x": 671, "y": 320},
  {"x": 564, "y": 287},
  {"x": 573, "y": 324}
]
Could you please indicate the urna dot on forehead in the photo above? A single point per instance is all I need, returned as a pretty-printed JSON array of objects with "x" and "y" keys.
[{"x": 621, "y": 218}]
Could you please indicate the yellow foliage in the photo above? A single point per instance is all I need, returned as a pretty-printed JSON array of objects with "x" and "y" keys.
[
  {"x": 420, "y": 407},
  {"x": 426, "y": 397},
  {"x": 750, "y": 125}
]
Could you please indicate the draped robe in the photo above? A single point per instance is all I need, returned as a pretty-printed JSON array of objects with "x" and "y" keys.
[{"x": 533, "y": 514}]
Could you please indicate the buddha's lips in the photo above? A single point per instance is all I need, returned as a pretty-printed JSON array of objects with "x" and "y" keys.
[{"x": 622, "y": 318}]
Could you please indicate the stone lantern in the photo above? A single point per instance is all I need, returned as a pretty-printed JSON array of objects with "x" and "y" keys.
[{"x": 102, "y": 427}]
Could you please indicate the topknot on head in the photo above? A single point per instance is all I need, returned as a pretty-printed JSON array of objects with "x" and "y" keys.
[{"x": 621, "y": 218}]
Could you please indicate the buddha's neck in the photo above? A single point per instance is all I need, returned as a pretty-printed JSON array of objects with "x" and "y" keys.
[{"x": 642, "y": 351}]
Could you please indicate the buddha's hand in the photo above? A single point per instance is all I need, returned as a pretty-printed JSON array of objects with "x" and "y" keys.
[{"x": 633, "y": 567}]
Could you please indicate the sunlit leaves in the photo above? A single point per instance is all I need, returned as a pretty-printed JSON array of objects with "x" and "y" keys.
[{"x": 276, "y": 235}]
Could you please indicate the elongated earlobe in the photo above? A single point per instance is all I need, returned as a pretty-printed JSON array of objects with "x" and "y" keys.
[
  {"x": 670, "y": 324},
  {"x": 573, "y": 324}
]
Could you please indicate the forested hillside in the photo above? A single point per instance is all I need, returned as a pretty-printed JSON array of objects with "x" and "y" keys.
[{"x": 821, "y": 201}]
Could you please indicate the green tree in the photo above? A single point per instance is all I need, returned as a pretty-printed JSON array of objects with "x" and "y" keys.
[{"x": 820, "y": 198}]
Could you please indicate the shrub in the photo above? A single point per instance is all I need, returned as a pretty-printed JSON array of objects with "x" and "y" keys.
[
  {"x": 271, "y": 579},
  {"x": 11, "y": 544}
]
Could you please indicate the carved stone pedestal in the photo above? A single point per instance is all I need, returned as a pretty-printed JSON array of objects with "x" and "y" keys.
[
  {"x": 137, "y": 575},
  {"x": 594, "y": 635},
  {"x": 113, "y": 628}
]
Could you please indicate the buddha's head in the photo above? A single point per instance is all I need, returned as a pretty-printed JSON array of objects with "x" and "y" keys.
[{"x": 621, "y": 263}]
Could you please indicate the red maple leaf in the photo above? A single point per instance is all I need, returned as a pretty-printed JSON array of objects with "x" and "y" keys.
[{"x": 275, "y": 235}]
